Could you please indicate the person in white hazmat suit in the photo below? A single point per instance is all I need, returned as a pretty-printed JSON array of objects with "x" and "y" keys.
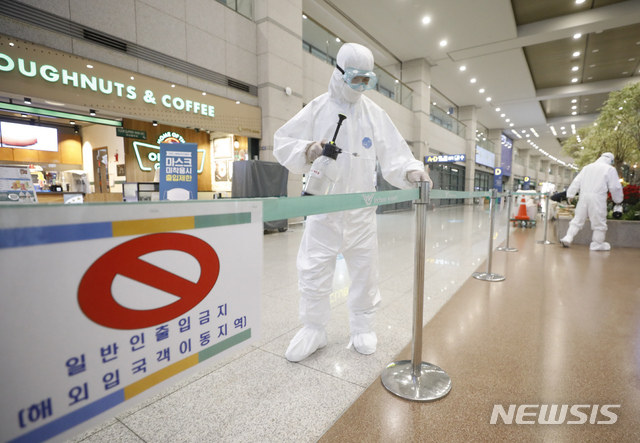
[
  {"x": 593, "y": 183},
  {"x": 368, "y": 132}
]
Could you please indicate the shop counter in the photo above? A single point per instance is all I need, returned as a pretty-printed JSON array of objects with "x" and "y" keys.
[{"x": 58, "y": 197}]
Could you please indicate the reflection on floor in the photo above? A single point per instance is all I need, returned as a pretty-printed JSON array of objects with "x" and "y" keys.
[{"x": 562, "y": 329}]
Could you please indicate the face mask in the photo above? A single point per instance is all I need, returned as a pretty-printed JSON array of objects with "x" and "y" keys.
[{"x": 349, "y": 94}]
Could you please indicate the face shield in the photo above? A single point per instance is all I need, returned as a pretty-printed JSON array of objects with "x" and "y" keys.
[{"x": 358, "y": 79}]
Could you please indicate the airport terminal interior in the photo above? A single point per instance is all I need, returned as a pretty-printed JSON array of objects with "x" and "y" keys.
[{"x": 539, "y": 343}]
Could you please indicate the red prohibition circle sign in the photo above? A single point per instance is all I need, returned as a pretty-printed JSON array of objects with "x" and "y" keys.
[{"x": 96, "y": 299}]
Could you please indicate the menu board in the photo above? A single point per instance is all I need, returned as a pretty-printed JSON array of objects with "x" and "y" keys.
[{"x": 16, "y": 185}]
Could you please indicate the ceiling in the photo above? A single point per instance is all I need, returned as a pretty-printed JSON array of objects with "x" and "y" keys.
[{"x": 523, "y": 53}]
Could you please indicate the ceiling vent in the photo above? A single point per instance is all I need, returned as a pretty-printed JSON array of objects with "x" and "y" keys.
[{"x": 104, "y": 40}]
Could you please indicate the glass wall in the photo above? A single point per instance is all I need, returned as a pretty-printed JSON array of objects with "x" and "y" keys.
[
  {"x": 445, "y": 113},
  {"x": 481, "y": 138},
  {"x": 323, "y": 44},
  {"x": 483, "y": 181},
  {"x": 441, "y": 101},
  {"x": 243, "y": 7},
  {"x": 448, "y": 122},
  {"x": 448, "y": 177}
]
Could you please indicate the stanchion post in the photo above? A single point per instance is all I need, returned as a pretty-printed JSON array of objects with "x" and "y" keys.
[
  {"x": 546, "y": 221},
  {"x": 414, "y": 379},
  {"x": 506, "y": 248},
  {"x": 489, "y": 276}
]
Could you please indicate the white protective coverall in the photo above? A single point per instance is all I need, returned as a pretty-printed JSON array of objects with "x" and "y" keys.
[
  {"x": 369, "y": 132},
  {"x": 593, "y": 183}
]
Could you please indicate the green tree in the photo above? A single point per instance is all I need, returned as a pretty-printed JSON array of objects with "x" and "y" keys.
[{"x": 617, "y": 130}]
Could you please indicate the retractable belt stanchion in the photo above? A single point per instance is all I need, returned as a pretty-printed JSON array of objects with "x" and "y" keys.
[
  {"x": 506, "y": 247},
  {"x": 546, "y": 221},
  {"x": 414, "y": 379},
  {"x": 489, "y": 276}
]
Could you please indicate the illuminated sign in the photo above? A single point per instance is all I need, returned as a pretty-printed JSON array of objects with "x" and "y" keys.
[
  {"x": 497, "y": 179},
  {"x": 153, "y": 155},
  {"x": 507, "y": 153},
  {"x": 445, "y": 158},
  {"x": 80, "y": 80},
  {"x": 170, "y": 137},
  {"x": 485, "y": 157}
]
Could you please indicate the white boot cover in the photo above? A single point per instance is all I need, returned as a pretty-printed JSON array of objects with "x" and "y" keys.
[
  {"x": 365, "y": 342},
  {"x": 571, "y": 232},
  {"x": 597, "y": 241},
  {"x": 306, "y": 342},
  {"x": 604, "y": 246},
  {"x": 565, "y": 242}
]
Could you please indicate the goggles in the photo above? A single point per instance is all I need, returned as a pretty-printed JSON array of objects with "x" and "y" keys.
[{"x": 358, "y": 79}]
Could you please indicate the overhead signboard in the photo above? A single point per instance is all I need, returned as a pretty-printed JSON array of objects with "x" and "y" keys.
[
  {"x": 446, "y": 158},
  {"x": 38, "y": 71},
  {"x": 484, "y": 157},
  {"x": 507, "y": 154},
  {"x": 131, "y": 133},
  {"x": 497, "y": 179}
]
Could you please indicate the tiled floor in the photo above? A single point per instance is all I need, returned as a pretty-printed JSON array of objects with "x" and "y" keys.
[
  {"x": 499, "y": 346},
  {"x": 562, "y": 329}
]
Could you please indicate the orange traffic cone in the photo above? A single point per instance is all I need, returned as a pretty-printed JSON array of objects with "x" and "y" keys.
[{"x": 522, "y": 211}]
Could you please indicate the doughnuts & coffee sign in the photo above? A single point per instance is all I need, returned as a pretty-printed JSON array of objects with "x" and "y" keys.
[{"x": 36, "y": 71}]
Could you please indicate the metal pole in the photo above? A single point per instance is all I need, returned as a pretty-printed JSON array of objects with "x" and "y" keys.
[
  {"x": 414, "y": 379},
  {"x": 506, "y": 248},
  {"x": 546, "y": 221},
  {"x": 488, "y": 276},
  {"x": 418, "y": 277}
]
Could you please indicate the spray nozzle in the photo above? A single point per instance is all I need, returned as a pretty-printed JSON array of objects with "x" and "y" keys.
[
  {"x": 331, "y": 149},
  {"x": 341, "y": 118}
]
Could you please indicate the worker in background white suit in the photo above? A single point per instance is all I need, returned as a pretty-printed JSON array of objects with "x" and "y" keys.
[
  {"x": 594, "y": 182},
  {"x": 368, "y": 132}
]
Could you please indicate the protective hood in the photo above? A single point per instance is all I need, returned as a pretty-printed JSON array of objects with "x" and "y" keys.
[
  {"x": 607, "y": 157},
  {"x": 350, "y": 55}
]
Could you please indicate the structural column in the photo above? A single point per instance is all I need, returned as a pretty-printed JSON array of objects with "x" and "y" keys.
[
  {"x": 417, "y": 75},
  {"x": 544, "y": 174},
  {"x": 280, "y": 70},
  {"x": 529, "y": 164},
  {"x": 553, "y": 177},
  {"x": 493, "y": 136},
  {"x": 468, "y": 117}
]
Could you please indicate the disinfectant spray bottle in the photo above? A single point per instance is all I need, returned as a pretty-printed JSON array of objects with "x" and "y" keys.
[{"x": 324, "y": 170}]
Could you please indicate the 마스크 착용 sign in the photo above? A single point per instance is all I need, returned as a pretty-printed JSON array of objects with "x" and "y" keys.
[
  {"x": 178, "y": 171},
  {"x": 139, "y": 297}
]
